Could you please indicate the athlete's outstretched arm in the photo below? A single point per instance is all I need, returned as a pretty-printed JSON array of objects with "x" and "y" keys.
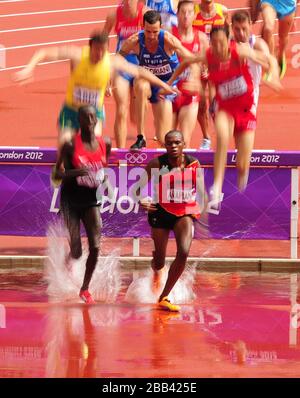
[
  {"x": 186, "y": 62},
  {"x": 58, "y": 169},
  {"x": 121, "y": 65},
  {"x": 131, "y": 45},
  {"x": 73, "y": 53},
  {"x": 109, "y": 22},
  {"x": 271, "y": 77}
]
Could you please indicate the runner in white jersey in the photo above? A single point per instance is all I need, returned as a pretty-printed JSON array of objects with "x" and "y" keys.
[
  {"x": 255, "y": 69},
  {"x": 241, "y": 28},
  {"x": 167, "y": 10}
]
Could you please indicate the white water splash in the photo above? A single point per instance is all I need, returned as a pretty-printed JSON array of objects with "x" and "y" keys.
[
  {"x": 64, "y": 282},
  {"x": 141, "y": 289}
]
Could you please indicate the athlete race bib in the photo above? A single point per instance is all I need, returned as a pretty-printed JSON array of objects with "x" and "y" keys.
[
  {"x": 93, "y": 179},
  {"x": 181, "y": 195},
  {"x": 159, "y": 70},
  {"x": 83, "y": 95},
  {"x": 233, "y": 88},
  {"x": 207, "y": 28}
]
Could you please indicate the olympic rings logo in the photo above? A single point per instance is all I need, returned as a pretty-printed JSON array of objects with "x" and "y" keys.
[{"x": 135, "y": 157}]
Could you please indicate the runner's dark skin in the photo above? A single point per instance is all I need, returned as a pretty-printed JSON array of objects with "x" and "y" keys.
[
  {"x": 88, "y": 214},
  {"x": 183, "y": 227}
]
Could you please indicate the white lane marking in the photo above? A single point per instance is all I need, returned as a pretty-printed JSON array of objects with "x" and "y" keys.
[
  {"x": 56, "y": 11},
  {"x": 11, "y": 1},
  {"x": 48, "y": 43},
  {"x": 52, "y": 26}
]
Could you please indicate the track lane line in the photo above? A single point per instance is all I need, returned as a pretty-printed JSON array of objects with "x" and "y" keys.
[
  {"x": 48, "y": 43},
  {"x": 52, "y": 26},
  {"x": 72, "y": 24},
  {"x": 11, "y": 1},
  {"x": 84, "y": 9},
  {"x": 57, "y": 11}
]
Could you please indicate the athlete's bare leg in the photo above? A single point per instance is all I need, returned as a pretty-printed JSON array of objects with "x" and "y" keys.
[
  {"x": 162, "y": 113},
  {"x": 187, "y": 120},
  {"x": 183, "y": 231},
  {"x": 121, "y": 95},
  {"x": 224, "y": 126},
  {"x": 175, "y": 121},
  {"x": 92, "y": 223},
  {"x": 244, "y": 144},
  {"x": 132, "y": 107},
  {"x": 203, "y": 112},
  {"x": 269, "y": 16},
  {"x": 160, "y": 238},
  {"x": 284, "y": 27},
  {"x": 142, "y": 93}
]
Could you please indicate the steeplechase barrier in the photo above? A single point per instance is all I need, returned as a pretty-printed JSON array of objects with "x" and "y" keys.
[{"x": 268, "y": 209}]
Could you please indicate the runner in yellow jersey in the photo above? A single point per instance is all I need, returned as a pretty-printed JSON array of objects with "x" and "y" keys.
[
  {"x": 92, "y": 67},
  {"x": 208, "y": 15}
]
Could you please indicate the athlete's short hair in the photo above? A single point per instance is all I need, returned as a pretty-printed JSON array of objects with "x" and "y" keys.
[
  {"x": 182, "y": 2},
  {"x": 84, "y": 109},
  {"x": 98, "y": 37},
  {"x": 152, "y": 17},
  {"x": 217, "y": 29},
  {"x": 240, "y": 16},
  {"x": 171, "y": 132}
]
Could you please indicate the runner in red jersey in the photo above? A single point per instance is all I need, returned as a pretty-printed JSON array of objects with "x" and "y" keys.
[
  {"x": 79, "y": 166},
  {"x": 178, "y": 180},
  {"x": 208, "y": 14},
  {"x": 185, "y": 105},
  {"x": 230, "y": 74},
  {"x": 126, "y": 20}
]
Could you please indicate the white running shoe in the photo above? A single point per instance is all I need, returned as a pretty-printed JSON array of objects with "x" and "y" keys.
[{"x": 206, "y": 143}]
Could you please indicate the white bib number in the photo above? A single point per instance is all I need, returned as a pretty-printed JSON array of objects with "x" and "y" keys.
[
  {"x": 93, "y": 179},
  {"x": 160, "y": 70},
  {"x": 233, "y": 88},
  {"x": 86, "y": 96}
]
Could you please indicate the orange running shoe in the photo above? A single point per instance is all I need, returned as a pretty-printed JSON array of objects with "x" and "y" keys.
[{"x": 165, "y": 304}]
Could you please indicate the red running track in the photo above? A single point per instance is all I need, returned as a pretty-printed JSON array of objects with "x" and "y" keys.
[{"x": 29, "y": 113}]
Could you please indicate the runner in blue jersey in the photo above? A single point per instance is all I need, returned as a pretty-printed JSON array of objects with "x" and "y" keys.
[
  {"x": 125, "y": 20},
  {"x": 167, "y": 10},
  {"x": 157, "y": 51},
  {"x": 285, "y": 11}
]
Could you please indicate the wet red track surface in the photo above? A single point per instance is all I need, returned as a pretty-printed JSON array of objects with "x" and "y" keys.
[{"x": 239, "y": 325}]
